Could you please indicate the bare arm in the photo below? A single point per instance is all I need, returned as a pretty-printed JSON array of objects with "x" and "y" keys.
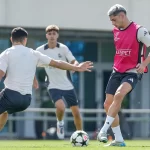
[
  {"x": 146, "y": 61},
  {"x": 144, "y": 37},
  {"x": 85, "y": 66},
  {"x": 3, "y": 63},
  {"x": 74, "y": 62},
  {"x": 2, "y": 74},
  {"x": 141, "y": 67},
  {"x": 35, "y": 83}
]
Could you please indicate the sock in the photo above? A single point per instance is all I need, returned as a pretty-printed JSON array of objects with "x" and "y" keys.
[
  {"x": 60, "y": 122},
  {"x": 117, "y": 134},
  {"x": 109, "y": 120}
]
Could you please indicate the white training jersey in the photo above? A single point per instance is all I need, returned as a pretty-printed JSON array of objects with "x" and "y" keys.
[
  {"x": 58, "y": 78},
  {"x": 19, "y": 63},
  {"x": 143, "y": 36}
]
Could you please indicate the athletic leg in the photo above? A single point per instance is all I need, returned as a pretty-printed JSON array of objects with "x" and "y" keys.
[
  {"x": 113, "y": 84},
  {"x": 56, "y": 96},
  {"x": 72, "y": 101},
  {"x": 128, "y": 83},
  {"x": 3, "y": 119}
]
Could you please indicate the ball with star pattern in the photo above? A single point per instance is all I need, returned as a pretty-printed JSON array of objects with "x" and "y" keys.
[{"x": 79, "y": 138}]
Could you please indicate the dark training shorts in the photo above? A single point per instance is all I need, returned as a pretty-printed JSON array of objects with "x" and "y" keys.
[
  {"x": 116, "y": 79},
  {"x": 12, "y": 101},
  {"x": 69, "y": 96}
]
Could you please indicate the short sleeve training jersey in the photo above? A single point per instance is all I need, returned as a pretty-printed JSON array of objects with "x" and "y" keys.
[
  {"x": 19, "y": 63},
  {"x": 59, "y": 79}
]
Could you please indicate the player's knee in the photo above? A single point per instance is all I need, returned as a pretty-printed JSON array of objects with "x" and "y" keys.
[
  {"x": 61, "y": 109},
  {"x": 107, "y": 104},
  {"x": 60, "y": 106},
  {"x": 119, "y": 96},
  {"x": 6, "y": 113}
]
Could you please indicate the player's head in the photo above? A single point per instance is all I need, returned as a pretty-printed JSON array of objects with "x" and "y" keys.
[
  {"x": 19, "y": 35},
  {"x": 117, "y": 15},
  {"x": 52, "y": 33}
]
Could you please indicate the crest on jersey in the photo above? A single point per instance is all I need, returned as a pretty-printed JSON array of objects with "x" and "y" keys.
[
  {"x": 116, "y": 38},
  {"x": 59, "y": 55},
  {"x": 145, "y": 32}
]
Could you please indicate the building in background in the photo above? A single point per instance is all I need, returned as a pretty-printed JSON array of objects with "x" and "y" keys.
[{"x": 85, "y": 28}]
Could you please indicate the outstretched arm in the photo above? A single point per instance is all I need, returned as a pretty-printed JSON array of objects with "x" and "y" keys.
[
  {"x": 75, "y": 63},
  {"x": 85, "y": 66}
]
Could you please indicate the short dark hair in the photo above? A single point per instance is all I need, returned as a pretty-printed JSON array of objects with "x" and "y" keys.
[
  {"x": 18, "y": 34},
  {"x": 116, "y": 9}
]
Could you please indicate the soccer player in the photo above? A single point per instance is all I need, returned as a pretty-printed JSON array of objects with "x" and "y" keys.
[
  {"x": 19, "y": 63},
  {"x": 130, "y": 40},
  {"x": 60, "y": 83}
]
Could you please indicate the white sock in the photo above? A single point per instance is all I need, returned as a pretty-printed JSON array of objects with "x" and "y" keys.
[
  {"x": 61, "y": 123},
  {"x": 109, "y": 120},
  {"x": 117, "y": 134}
]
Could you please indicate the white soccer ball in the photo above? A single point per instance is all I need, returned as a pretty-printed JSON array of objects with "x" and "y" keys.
[{"x": 79, "y": 138}]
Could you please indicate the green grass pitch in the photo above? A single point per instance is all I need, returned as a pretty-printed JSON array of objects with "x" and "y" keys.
[{"x": 65, "y": 145}]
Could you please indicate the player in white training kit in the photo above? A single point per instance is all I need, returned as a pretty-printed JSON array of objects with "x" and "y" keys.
[
  {"x": 18, "y": 63},
  {"x": 60, "y": 84}
]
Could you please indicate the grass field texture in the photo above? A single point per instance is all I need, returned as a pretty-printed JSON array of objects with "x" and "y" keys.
[{"x": 65, "y": 145}]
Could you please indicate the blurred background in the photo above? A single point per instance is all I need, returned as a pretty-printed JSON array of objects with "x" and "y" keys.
[{"x": 85, "y": 28}]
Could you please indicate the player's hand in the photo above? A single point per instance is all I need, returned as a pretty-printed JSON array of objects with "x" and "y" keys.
[
  {"x": 85, "y": 66},
  {"x": 140, "y": 68},
  {"x": 35, "y": 84}
]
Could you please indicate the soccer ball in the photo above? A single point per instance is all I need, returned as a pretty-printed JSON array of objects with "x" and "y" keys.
[{"x": 79, "y": 138}]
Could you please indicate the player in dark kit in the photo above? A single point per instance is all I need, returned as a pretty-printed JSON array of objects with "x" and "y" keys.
[{"x": 130, "y": 40}]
